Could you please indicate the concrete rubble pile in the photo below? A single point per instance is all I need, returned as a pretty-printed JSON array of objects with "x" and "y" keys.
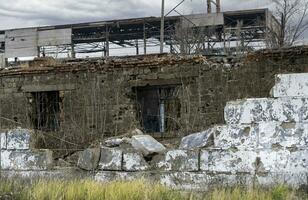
[{"x": 264, "y": 141}]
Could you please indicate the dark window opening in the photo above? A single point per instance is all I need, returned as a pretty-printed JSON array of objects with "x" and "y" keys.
[
  {"x": 46, "y": 110},
  {"x": 159, "y": 108}
]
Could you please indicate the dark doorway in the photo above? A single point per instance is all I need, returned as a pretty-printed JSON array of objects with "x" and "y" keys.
[
  {"x": 46, "y": 110},
  {"x": 159, "y": 108}
]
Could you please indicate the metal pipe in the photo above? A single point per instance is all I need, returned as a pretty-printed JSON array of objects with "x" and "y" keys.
[
  {"x": 162, "y": 116},
  {"x": 209, "y": 6},
  {"x": 218, "y": 8},
  {"x": 162, "y": 26}
]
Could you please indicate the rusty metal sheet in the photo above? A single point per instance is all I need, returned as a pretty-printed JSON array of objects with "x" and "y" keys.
[{"x": 55, "y": 37}]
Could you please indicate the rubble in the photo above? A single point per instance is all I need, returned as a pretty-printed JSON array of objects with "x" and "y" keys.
[
  {"x": 198, "y": 140},
  {"x": 18, "y": 139},
  {"x": 26, "y": 160},
  {"x": 88, "y": 159},
  {"x": 179, "y": 160},
  {"x": 110, "y": 159},
  {"x": 134, "y": 161},
  {"x": 147, "y": 145}
]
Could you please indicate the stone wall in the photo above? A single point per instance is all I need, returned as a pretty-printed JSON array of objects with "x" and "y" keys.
[
  {"x": 264, "y": 142},
  {"x": 97, "y": 98}
]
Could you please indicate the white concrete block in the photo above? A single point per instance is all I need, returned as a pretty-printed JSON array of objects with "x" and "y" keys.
[
  {"x": 2, "y": 140},
  {"x": 180, "y": 160},
  {"x": 110, "y": 159},
  {"x": 291, "y": 85},
  {"x": 228, "y": 161},
  {"x": 26, "y": 160},
  {"x": 266, "y": 109},
  {"x": 18, "y": 139},
  {"x": 133, "y": 161},
  {"x": 146, "y": 144}
]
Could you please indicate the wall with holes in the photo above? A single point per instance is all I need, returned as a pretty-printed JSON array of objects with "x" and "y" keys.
[{"x": 81, "y": 101}]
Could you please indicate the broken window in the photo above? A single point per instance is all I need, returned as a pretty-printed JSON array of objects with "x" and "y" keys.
[
  {"x": 46, "y": 110},
  {"x": 159, "y": 108}
]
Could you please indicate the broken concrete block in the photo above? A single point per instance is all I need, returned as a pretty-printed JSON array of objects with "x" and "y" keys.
[
  {"x": 110, "y": 159},
  {"x": 26, "y": 160},
  {"x": 240, "y": 136},
  {"x": 290, "y": 85},
  {"x": 147, "y": 145},
  {"x": 281, "y": 135},
  {"x": 198, "y": 140},
  {"x": 180, "y": 160},
  {"x": 133, "y": 161},
  {"x": 186, "y": 180},
  {"x": 2, "y": 140},
  {"x": 18, "y": 139},
  {"x": 107, "y": 176},
  {"x": 283, "y": 161},
  {"x": 88, "y": 159},
  {"x": 136, "y": 132},
  {"x": 115, "y": 142},
  {"x": 265, "y": 110},
  {"x": 200, "y": 181},
  {"x": 228, "y": 161}
]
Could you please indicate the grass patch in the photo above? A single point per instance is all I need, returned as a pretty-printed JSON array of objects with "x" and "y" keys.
[{"x": 132, "y": 190}]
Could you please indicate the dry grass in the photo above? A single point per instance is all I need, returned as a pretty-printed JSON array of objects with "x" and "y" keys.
[{"x": 133, "y": 190}]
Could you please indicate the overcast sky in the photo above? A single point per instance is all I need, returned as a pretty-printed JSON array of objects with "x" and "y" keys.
[{"x": 25, "y": 13}]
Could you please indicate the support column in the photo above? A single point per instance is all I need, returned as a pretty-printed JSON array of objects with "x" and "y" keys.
[
  {"x": 144, "y": 40},
  {"x": 73, "y": 50},
  {"x": 137, "y": 47},
  {"x": 162, "y": 26},
  {"x": 209, "y": 6},
  {"x": 107, "y": 42}
]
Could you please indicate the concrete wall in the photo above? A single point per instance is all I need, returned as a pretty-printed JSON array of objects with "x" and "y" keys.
[{"x": 97, "y": 97}]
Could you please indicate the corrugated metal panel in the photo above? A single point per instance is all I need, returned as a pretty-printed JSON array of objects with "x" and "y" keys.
[
  {"x": 55, "y": 37},
  {"x": 21, "y": 43}
]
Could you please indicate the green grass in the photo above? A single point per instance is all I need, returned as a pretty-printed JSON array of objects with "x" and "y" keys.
[{"x": 133, "y": 190}]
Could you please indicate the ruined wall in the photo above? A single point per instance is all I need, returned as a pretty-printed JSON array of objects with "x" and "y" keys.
[
  {"x": 263, "y": 143},
  {"x": 97, "y": 96}
]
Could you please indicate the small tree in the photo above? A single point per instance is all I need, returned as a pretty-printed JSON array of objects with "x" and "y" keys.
[{"x": 293, "y": 19}]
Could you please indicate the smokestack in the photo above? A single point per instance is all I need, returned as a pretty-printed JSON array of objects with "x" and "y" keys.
[{"x": 209, "y": 6}]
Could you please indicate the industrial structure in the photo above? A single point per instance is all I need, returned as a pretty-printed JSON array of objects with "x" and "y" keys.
[{"x": 218, "y": 33}]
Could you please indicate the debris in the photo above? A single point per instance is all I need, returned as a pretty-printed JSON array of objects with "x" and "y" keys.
[
  {"x": 88, "y": 159},
  {"x": 180, "y": 160},
  {"x": 134, "y": 161},
  {"x": 147, "y": 145},
  {"x": 110, "y": 159},
  {"x": 198, "y": 140}
]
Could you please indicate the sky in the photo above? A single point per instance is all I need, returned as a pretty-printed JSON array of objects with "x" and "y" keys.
[{"x": 27, "y": 13}]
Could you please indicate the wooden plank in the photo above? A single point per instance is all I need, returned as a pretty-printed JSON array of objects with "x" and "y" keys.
[{"x": 55, "y": 37}]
